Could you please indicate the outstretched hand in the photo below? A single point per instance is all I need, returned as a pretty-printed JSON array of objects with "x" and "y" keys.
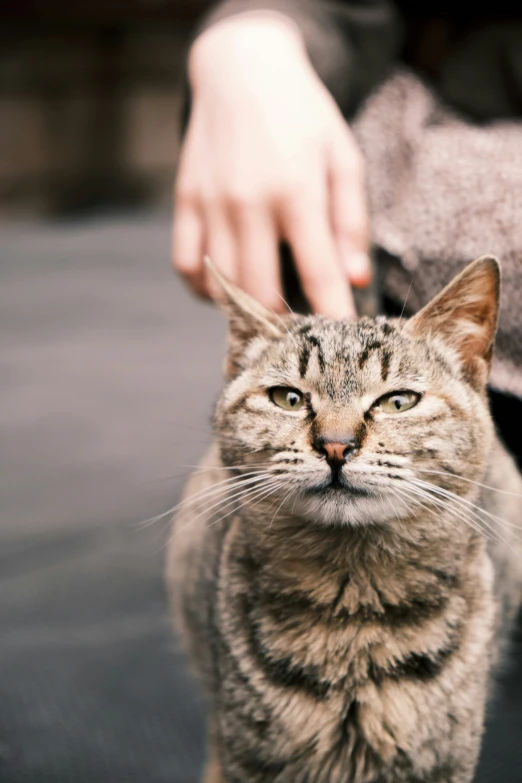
[{"x": 268, "y": 157}]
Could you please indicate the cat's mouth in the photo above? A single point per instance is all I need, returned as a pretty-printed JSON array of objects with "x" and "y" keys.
[{"x": 338, "y": 487}]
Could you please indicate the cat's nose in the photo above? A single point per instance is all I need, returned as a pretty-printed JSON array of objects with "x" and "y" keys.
[{"x": 337, "y": 449}]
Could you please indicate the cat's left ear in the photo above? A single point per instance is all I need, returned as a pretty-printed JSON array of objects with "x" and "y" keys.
[
  {"x": 465, "y": 316},
  {"x": 247, "y": 318}
]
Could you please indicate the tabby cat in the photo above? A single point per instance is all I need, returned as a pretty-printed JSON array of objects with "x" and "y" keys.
[{"x": 347, "y": 558}]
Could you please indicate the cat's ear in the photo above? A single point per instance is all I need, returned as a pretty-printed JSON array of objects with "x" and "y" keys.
[
  {"x": 465, "y": 316},
  {"x": 247, "y": 318}
]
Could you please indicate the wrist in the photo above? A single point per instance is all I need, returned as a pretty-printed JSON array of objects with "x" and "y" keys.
[{"x": 247, "y": 40}]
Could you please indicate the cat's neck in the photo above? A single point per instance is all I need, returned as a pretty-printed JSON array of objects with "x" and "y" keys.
[{"x": 382, "y": 563}]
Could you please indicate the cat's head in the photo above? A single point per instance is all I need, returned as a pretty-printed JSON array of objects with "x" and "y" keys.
[{"x": 346, "y": 419}]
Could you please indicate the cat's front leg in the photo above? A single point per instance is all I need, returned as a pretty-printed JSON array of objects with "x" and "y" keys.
[{"x": 212, "y": 772}]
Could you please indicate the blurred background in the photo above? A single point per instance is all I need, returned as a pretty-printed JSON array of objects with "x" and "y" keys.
[
  {"x": 90, "y": 95},
  {"x": 108, "y": 372}
]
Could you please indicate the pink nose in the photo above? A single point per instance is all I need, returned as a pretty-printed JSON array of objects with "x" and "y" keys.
[{"x": 336, "y": 449}]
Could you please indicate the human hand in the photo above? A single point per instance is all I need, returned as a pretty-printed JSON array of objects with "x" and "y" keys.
[{"x": 268, "y": 157}]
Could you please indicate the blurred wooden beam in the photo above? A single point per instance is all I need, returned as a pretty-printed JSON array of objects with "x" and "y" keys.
[{"x": 96, "y": 13}]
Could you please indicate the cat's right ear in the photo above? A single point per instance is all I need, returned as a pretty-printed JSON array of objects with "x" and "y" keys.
[{"x": 247, "y": 318}]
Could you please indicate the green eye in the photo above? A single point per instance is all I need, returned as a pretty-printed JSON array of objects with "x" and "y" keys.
[
  {"x": 289, "y": 399},
  {"x": 398, "y": 402}
]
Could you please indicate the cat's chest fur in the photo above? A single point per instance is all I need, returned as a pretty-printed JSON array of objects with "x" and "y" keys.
[{"x": 345, "y": 656}]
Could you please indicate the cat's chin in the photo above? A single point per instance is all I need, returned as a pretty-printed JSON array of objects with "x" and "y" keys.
[
  {"x": 340, "y": 492},
  {"x": 341, "y": 506}
]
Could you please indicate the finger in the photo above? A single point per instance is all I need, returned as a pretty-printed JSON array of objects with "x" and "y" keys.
[
  {"x": 220, "y": 245},
  {"x": 348, "y": 209},
  {"x": 307, "y": 229},
  {"x": 258, "y": 256},
  {"x": 187, "y": 245}
]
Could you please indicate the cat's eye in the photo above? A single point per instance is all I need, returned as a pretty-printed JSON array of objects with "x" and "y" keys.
[
  {"x": 398, "y": 402},
  {"x": 289, "y": 399}
]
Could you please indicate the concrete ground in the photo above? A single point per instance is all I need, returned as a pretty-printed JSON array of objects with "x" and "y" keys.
[{"x": 108, "y": 372}]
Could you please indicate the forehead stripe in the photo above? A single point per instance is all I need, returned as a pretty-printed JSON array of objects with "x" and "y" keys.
[
  {"x": 365, "y": 355},
  {"x": 385, "y": 364},
  {"x": 304, "y": 358}
]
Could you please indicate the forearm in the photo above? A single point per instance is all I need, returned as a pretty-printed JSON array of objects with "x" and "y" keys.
[{"x": 350, "y": 46}]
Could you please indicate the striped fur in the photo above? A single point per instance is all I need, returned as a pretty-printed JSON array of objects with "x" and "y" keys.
[{"x": 348, "y": 635}]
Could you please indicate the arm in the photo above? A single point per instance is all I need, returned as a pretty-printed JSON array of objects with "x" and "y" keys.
[
  {"x": 267, "y": 156},
  {"x": 350, "y": 45}
]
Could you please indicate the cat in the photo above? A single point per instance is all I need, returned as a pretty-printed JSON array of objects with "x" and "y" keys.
[{"x": 346, "y": 562}]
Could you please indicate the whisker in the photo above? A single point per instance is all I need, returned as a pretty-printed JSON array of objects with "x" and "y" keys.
[
  {"x": 414, "y": 498},
  {"x": 228, "y": 501},
  {"x": 444, "y": 513},
  {"x": 288, "y": 495},
  {"x": 470, "y": 481},
  {"x": 413, "y": 495},
  {"x": 207, "y": 492},
  {"x": 271, "y": 491},
  {"x": 407, "y": 296},
  {"x": 206, "y": 468},
  {"x": 258, "y": 494},
  {"x": 466, "y": 514},
  {"x": 445, "y": 505},
  {"x": 224, "y": 485},
  {"x": 237, "y": 492},
  {"x": 210, "y": 469},
  {"x": 281, "y": 297},
  {"x": 456, "y": 498},
  {"x": 292, "y": 337},
  {"x": 219, "y": 519},
  {"x": 390, "y": 492}
]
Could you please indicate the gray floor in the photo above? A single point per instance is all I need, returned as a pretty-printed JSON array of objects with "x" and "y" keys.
[{"x": 108, "y": 371}]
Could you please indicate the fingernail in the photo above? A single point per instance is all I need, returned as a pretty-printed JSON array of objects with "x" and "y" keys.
[{"x": 358, "y": 267}]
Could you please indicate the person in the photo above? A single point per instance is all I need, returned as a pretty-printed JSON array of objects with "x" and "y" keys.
[{"x": 345, "y": 129}]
